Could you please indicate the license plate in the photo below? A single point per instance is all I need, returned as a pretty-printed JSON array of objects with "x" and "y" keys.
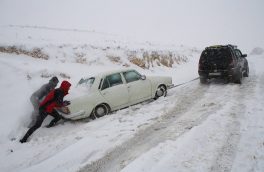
[{"x": 215, "y": 74}]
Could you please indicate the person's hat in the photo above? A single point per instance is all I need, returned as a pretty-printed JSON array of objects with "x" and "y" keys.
[{"x": 54, "y": 80}]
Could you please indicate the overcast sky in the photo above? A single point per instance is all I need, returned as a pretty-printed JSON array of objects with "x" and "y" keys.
[{"x": 191, "y": 22}]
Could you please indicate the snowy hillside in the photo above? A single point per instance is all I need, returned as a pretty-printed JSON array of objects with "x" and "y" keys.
[{"x": 89, "y": 47}]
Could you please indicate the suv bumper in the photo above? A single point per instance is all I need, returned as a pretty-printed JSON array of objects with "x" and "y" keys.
[{"x": 217, "y": 73}]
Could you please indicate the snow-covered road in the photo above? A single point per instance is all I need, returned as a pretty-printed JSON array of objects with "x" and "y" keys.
[
  {"x": 200, "y": 132},
  {"x": 223, "y": 130},
  {"x": 214, "y": 127}
]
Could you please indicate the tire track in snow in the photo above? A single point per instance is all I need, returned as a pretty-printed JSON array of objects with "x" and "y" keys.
[
  {"x": 170, "y": 126},
  {"x": 227, "y": 153}
]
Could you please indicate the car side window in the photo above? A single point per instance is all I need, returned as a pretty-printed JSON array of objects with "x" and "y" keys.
[
  {"x": 105, "y": 84},
  {"x": 112, "y": 80},
  {"x": 131, "y": 76}
]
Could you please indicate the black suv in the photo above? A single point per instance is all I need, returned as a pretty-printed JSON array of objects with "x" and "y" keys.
[{"x": 223, "y": 61}]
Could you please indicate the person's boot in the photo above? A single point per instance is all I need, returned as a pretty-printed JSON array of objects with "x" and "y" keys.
[
  {"x": 51, "y": 124},
  {"x": 54, "y": 121},
  {"x": 24, "y": 139}
]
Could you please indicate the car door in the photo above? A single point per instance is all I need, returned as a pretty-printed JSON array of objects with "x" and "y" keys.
[
  {"x": 138, "y": 89},
  {"x": 114, "y": 91}
]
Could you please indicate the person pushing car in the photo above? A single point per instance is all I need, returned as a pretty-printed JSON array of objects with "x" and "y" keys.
[
  {"x": 53, "y": 100},
  {"x": 38, "y": 96}
]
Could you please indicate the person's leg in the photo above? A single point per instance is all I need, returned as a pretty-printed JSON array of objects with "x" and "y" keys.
[
  {"x": 35, "y": 113},
  {"x": 56, "y": 116},
  {"x": 40, "y": 119},
  {"x": 34, "y": 116}
]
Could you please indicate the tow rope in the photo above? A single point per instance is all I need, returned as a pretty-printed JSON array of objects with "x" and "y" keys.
[{"x": 184, "y": 83}]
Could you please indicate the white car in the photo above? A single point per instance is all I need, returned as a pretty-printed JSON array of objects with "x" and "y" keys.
[{"x": 114, "y": 90}]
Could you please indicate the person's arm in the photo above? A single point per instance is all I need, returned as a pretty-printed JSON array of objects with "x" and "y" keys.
[
  {"x": 43, "y": 92},
  {"x": 58, "y": 96}
]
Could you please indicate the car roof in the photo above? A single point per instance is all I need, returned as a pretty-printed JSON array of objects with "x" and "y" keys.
[{"x": 102, "y": 74}]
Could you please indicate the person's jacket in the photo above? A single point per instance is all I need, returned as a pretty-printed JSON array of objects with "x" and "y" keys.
[
  {"x": 55, "y": 98},
  {"x": 41, "y": 93}
]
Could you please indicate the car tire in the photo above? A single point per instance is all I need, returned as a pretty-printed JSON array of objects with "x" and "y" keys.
[
  {"x": 100, "y": 111},
  {"x": 238, "y": 78},
  {"x": 161, "y": 91},
  {"x": 203, "y": 79},
  {"x": 246, "y": 73}
]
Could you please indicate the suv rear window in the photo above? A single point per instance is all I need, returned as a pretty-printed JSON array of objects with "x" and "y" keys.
[{"x": 216, "y": 54}]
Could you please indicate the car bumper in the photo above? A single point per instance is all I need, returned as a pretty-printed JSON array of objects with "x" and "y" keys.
[
  {"x": 67, "y": 114},
  {"x": 77, "y": 115}
]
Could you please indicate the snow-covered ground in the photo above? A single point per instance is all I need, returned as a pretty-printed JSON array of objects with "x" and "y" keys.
[{"x": 215, "y": 127}]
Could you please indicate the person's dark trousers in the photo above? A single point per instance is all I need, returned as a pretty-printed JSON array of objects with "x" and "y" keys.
[
  {"x": 42, "y": 115},
  {"x": 56, "y": 116}
]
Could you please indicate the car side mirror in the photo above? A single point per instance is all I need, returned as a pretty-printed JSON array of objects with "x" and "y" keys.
[
  {"x": 143, "y": 77},
  {"x": 244, "y": 55}
]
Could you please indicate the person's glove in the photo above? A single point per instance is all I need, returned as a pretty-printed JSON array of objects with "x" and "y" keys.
[{"x": 66, "y": 103}]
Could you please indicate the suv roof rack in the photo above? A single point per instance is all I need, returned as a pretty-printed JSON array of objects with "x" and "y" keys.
[
  {"x": 221, "y": 46},
  {"x": 215, "y": 46},
  {"x": 233, "y": 46}
]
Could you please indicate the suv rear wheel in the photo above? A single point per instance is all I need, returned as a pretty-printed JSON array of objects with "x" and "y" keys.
[
  {"x": 246, "y": 73},
  {"x": 203, "y": 79},
  {"x": 238, "y": 78}
]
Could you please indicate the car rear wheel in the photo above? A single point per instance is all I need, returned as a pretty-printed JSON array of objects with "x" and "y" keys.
[
  {"x": 100, "y": 110},
  {"x": 161, "y": 91}
]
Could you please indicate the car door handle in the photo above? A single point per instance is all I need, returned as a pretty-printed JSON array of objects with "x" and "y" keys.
[{"x": 128, "y": 86}]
